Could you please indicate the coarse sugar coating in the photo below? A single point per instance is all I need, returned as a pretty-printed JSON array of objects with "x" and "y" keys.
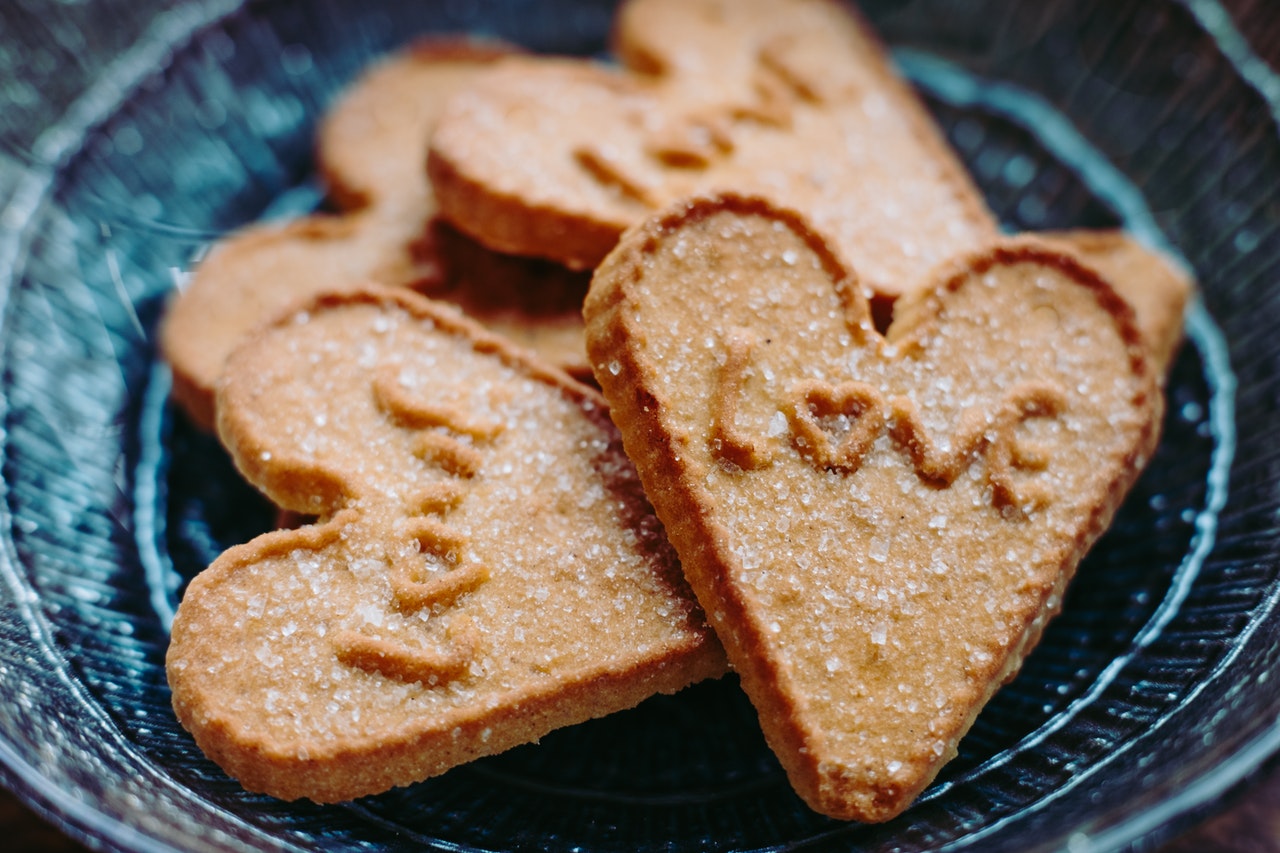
[
  {"x": 484, "y": 568},
  {"x": 878, "y": 527}
]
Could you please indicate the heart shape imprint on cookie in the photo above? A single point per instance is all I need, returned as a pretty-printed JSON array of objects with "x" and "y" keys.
[
  {"x": 484, "y": 567},
  {"x": 877, "y": 526}
]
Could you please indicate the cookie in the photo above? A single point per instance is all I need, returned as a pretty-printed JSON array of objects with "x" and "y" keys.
[
  {"x": 878, "y": 527},
  {"x": 1156, "y": 287},
  {"x": 371, "y": 150},
  {"x": 484, "y": 567},
  {"x": 371, "y": 146},
  {"x": 791, "y": 99}
]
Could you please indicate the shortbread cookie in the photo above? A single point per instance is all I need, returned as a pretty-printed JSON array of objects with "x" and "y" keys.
[
  {"x": 878, "y": 527},
  {"x": 791, "y": 99},
  {"x": 371, "y": 151},
  {"x": 371, "y": 147},
  {"x": 484, "y": 567},
  {"x": 1156, "y": 287}
]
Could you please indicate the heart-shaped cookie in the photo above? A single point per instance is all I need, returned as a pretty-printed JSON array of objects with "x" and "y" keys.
[
  {"x": 878, "y": 527},
  {"x": 484, "y": 567},
  {"x": 793, "y": 99}
]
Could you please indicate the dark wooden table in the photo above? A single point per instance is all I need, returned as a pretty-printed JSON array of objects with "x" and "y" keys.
[{"x": 1251, "y": 824}]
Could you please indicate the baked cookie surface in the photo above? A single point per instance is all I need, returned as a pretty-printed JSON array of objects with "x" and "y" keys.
[
  {"x": 484, "y": 567},
  {"x": 877, "y": 526}
]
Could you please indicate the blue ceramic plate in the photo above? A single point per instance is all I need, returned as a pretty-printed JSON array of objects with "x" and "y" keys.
[{"x": 1146, "y": 699}]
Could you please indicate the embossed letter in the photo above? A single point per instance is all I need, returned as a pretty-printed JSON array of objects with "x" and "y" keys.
[{"x": 820, "y": 412}]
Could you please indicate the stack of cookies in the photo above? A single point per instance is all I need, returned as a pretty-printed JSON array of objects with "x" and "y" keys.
[{"x": 846, "y": 439}]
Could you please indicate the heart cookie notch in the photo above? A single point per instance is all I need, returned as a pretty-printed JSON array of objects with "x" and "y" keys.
[{"x": 878, "y": 527}]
